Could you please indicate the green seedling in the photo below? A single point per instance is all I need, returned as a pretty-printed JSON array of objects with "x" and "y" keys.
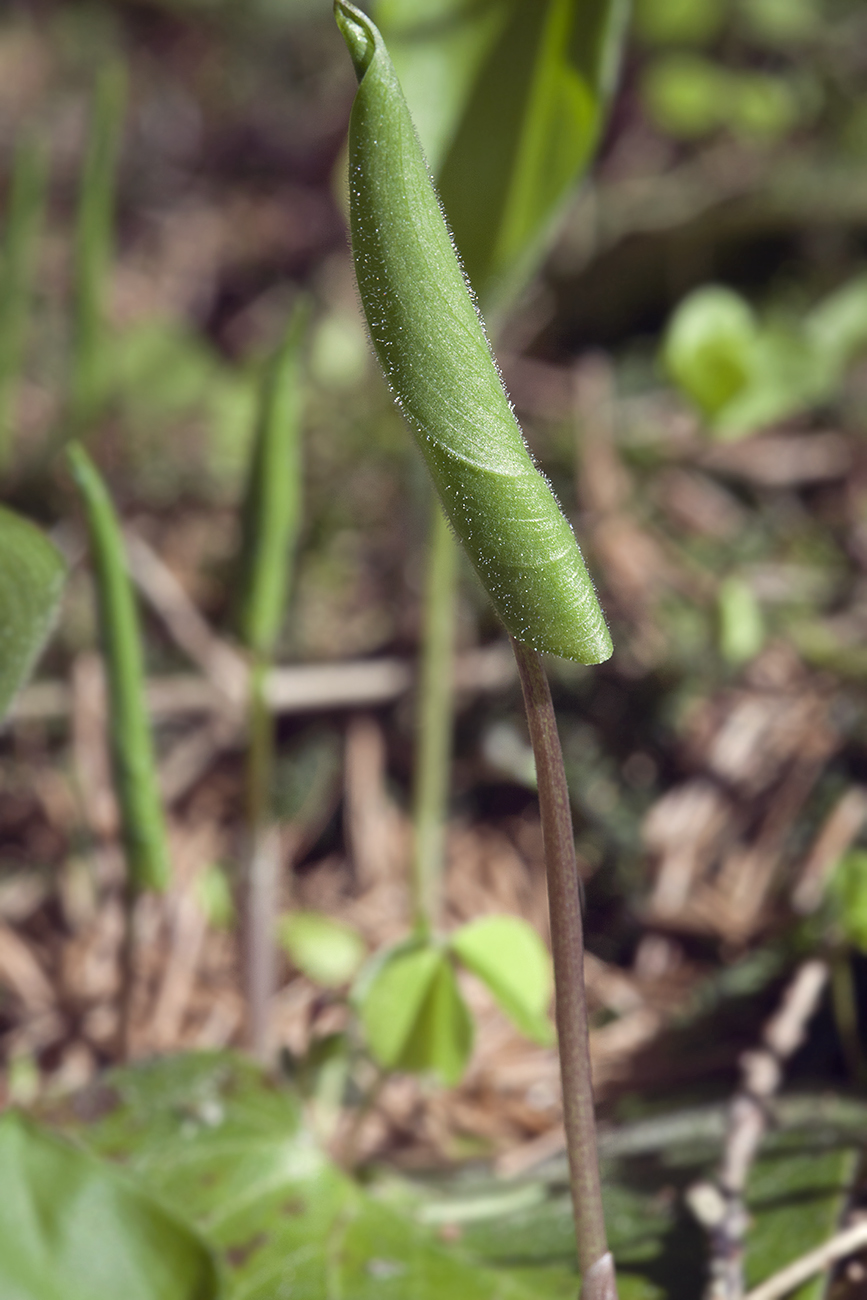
[
  {"x": 436, "y": 357},
  {"x": 93, "y": 249},
  {"x": 271, "y": 520},
  {"x": 32, "y": 574},
  {"x": 24, "y": 211},
  {"x": 742, "y": 373},
  {"x": 132, "y": 751},
  {"x": 414, "y": 1014}
]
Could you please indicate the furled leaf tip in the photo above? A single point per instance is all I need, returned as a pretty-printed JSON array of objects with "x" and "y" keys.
[{"x": 359, "y": 34}]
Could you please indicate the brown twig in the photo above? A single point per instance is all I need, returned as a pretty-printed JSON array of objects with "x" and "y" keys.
[{"x": 720, "y": 1206}]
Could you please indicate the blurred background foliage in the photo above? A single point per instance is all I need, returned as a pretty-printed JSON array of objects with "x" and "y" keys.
[{"x": 689, "y": 365}]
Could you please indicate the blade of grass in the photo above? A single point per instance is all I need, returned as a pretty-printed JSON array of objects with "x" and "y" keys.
[
  {"x": 271, "y": 519},
  {"x": 134, "y": 768},
  {"x": 434, "y": 724},
  {"x": 93, "y": 245},
  {"x": 24, "y": 212}
]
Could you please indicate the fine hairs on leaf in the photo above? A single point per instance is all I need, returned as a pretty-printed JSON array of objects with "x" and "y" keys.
[{"x": 436, "y": 357}]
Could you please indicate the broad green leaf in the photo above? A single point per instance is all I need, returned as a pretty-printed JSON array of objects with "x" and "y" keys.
[
  {"x": 223, "y": 1146},
  {"x": 509, "y": 100},
  {"x": 272, "y": 502},
  {"x": 508, "y": 955},
  {"x": 24, "y": 211},
  {"x": 325, "y": 950},
  {"x": 436, "y": 357},
  {"x": 74, "y": 1228},
  {"x": 31, "y": 581},
  {"x": 133, "y": 762}
]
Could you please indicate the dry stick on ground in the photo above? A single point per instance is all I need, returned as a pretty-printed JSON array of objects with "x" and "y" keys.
[
  {"x": 567, "y": 943},
  {"x": 720, "y": 1207}
]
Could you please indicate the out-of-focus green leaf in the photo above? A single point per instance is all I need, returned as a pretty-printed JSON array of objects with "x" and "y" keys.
[
  {"x": 24, "y": 210},
  {"x": 214, "y": 894},
  {"x": 849, "y": 891},
  {"x": 741, "y": 626},
  {"x": 509, "y": 100},
  {"x": 225, "y": 1148},
  {"x": 740, "y": 374},
  {"x": 325, "y": 950},
  {"x": 508, "y": 955},
  {"x": 73, "y": 1228},
  {"x": 132, "y": 752},
  {"x": 441, "y": 1038},
  {"x": 837, "y": 326},
  {"x": 413, "y": 1014},
  {"x": 795, "y": 1197},
  {"x": 709, "y": 346},
  {"x": 689, "y": 96},
  {"x": 681, "y": 22},
  {"x": 32, "y": 574}
]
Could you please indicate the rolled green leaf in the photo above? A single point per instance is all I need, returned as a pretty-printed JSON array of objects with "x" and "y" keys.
[
  {"x": 132, "y": 752},
  {"x": 437, "y": 360}
]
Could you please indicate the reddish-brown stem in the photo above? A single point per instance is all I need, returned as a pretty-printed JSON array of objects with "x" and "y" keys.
[{"x": 567, "y": 943}]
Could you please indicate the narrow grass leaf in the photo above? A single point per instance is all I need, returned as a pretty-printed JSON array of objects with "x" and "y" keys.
[
  {"x": 24, "y": 211},
  {"x": 32, "y": 574},
  {"x": 436, "y": 357},
  {"x": 94, "y": 241},
  {"x": 133, "y": 762},
  {"x": 272, "y": 505}
]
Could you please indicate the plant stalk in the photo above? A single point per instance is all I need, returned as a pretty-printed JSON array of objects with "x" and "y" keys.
[
  {"x": 434, "y": 725},
  {"x": 567, "y": 942},
  {"x": 263, "y": 861}
]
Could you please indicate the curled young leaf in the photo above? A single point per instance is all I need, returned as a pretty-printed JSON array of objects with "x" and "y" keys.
[{"x": 438, "y": 362}]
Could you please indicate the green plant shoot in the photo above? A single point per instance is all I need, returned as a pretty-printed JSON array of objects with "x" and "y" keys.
[
  {"x": 93, "y": 243},
  {"x": 132, "y": 753},
  {"x": 32, "y": 574},
  {"x": 438, "y": 362},
  {"x": 272, "y": 505},
  {"x": 23, "y": 220}
]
